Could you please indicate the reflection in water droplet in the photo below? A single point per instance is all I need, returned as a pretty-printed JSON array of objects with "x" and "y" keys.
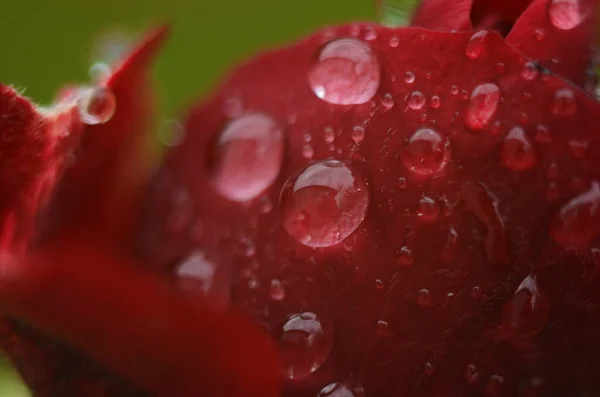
[
  {"x": 329, "y": 135},
  {"x": 308, "y": 151},
  {"x": 482, "y": 106},
  {"x": 542, "y": 134},
  {"x": 382, "y": 328},
  {"x": 409, "y": 77},
  {"x": 565, "y": 14},
  {"x": 426, "y": 152},
  {"x": 578, "y": 221},
  {"x": 346, "y": 73},
  {"x": 518, "y": 153},
  {"x": 96, "y": 105},
  {"x": 564, "y": 103},
  {"x": 250, "y": 153},
  {"x": 305, "y": 342},
  {"x": 476, "y": 44},
  {"x": 324, "y": 203}
]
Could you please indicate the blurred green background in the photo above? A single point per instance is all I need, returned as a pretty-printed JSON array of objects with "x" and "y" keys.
[{"x": 46, "y": 43}]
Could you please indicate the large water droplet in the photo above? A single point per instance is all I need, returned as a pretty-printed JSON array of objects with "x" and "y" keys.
[
  {"x": 517, "y": 151},
  {"x": 324, "y": 203},
  {"x": 476, "y": 44},
  {"x": 564, "y": 103},
  {"x": 305, "y": 341},
  {"x": 337, "y": 390},
  {"x": 346, "y": 73},
  {"x": 250, "y": 152},
  {"x": 565, "y": 14},
  {"x": 482, "y": 106},
  {"x": 96, "y": 105},
  {"x": 578, "y": 221},
  {"x": 426, "y": 153}
]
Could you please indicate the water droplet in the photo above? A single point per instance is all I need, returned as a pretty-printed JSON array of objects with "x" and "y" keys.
[
  {"x": 387, "y": 101},
  {"x": 530, "y": 71},
  {"x": 370, "y": 33},
  {"x": 337, "y": 390},
  {"x": 171, "y": 133},
  {"x": 100, "y": 72},
  {"x": 471, "y": 374},
  {"x": 499, "y": 67},
  {"x": 405, "y": 256},
  {"x": 308, "y": 152},
  {"x": 96, "y": 105},
  {"x": 476, "y": 44},
  {"x": 305, "y": 342},
  {"x": 482, "y": 106},
  {"x": 250, "y": 153},
  {"x": 382, "y": 328},
  {"x": 564, "y": 103},
  {"x": 578, "y": 221},
  {"x": 542, "y": 134},
  {"x": 454, "y": 90},
  {"x": 198, "y": 271},
  {"x": 450, "y": 248},
  {"x": 265, "y": 205},
  {"x": 428, "y": 368},
  {"x": 476, "y": 293},
  {"x": 424, "y": 297},
  {"x": 394, "y": 41},
  {"x": 517, "y": 151},
  {"x": 416, "y": 100},
  {"x": 346, "y": 73},
  {"x": 493, "y": 387},
  {"x": 540, "y": 34},
  {"x": 527, "y": 312},
  {"x": 277, "y": 291},
  {"x": 426, "y": 152},
  {"x": 409, "y": 77},
  {"x": 565, "y": 14},
  {"x": 358, "y": 134},
  {"x": 324, "y": 203},
  {"x": 578, "y": 148},
  {"x": 435, "y": 102},
  {"x": 329, "y": 135},
  {"x": 428, "y": 210},
  {"x": 402, "y": 183}
]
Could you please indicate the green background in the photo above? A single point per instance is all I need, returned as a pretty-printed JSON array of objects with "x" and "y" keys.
[{"x": 47, "y": 43}]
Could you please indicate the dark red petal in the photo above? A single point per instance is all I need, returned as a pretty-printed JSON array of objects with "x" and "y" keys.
[
  {"x": 165, "y": 341},
  {"x": 101, "y": 189},
  {"x": 459, "y": 280},
  {"x": 563, "y": 51}
]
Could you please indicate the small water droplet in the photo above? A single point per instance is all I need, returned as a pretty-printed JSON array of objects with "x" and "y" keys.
[
  {"x": 409, "y": 77},
  {"x": 540, "y": 34},
  {"x": 379, "y": 284},
  {"x": 578, "y": 148},
  {"x": 416, "y": 100},
  {"x": 382, "y": 328},
  {"x": 454, "y": 90},
  {"x": 426, "y": 152},
  {"x": 530, "y": 71},
  {"x": 482, "y": 106},
  {"x": 277, "y": 291},
  {"x": 435, "y": 102},
  {"x": 565, "y": 14},
  {"x": 578, "y": 221},
  {"x": 476, "y": 44},
  {"x": 428, "y": 210},
  {"x": 394, "y": 41},
  {"x": 324, "y": 203},
  {"x": 346, "y": 73},
  {"x": 358, "y": 134},
  {"x": 424, "y": 297},
  {"x": 96, "y": 105},
  {"x": 197, "y": 271},
  {"x": 518, "y": 153},
  {"x": 387, "y": 101},
  {"x": 476, "y": 293},
  {"x": 471, "y": 374},
  {"x": 308, "y": 152},
  {"x": 428, "y": 368},
  {"x": 402, "y": 183},
  {"x": 564, "y": 103},
  {"x": 305, "y": 342},
  {"x": 370, "y": 33},
  {"x": 329, "y": 135},
  {"x": 250, "y": 153},
  {"x": 542, "y": 134},
  {"x": 405, "y": 256}
]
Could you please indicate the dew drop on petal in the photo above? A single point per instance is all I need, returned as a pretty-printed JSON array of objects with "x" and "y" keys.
[
  {"x": 540, "y": 34},
  {"x": 409, "y": 77},
  {"x": 387, "y": 101},
  {"x": 542, "y": 134},
  {"x": 476, "y": 44},
  {"x": 426, "y": 152},
  {"x": 454, "y": 90},
  {"x": 405, "y": 256},
  {"x": 394, "y": 41},
  {"x": 329, "y": 135},
  {"x": 428, "y": 210},
  {"x": 276, "y": 291},
  {"x": 518, "y": 153},
  {"x": 198, "y": 270},
  {"x": 346, "y": 72},
  {"x": 337, "y": 390},
  {"x": 530, "y": 71},
  {"x": 482, "y": 106},
  {"x": 308, "y": 151},
  {"x": 358, "y": 134},
  {"x": 578, "y": 221},
  {"x": 471, "y": 374},
  {"x": 435, "y": 102},
  {"x": 250, "y": 153},
  {"x": 565, "y": 14},
  {"x": 382, "y": 328},
  {"x": 324, "y": 203},
  {"x": 415, "y": 100},
  {"x": 424, "y": 297},
  {"x": 96, "y": 105},
  {"x": 564, "y": 103},
  {"x": 305, "y": 342}
]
